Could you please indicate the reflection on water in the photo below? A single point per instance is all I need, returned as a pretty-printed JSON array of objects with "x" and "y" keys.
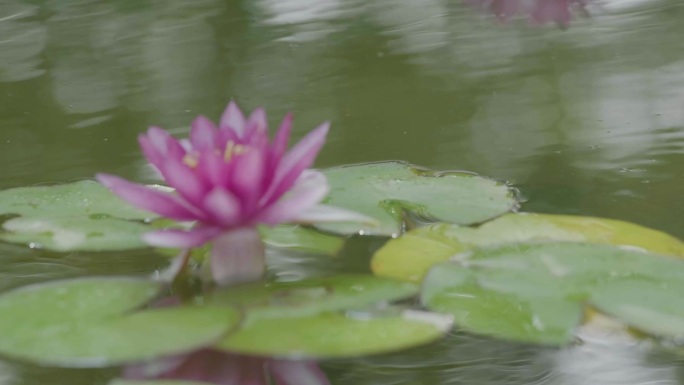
[
  {"x": 586, "y": 120},
  {"x": 464, "y": 359}
]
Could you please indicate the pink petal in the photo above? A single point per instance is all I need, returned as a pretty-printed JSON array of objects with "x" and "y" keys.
[
  {"x": 238, "y": 256},
  {"x": 299, "y": 158},
  {"x": 309, "y": 190},
  {"x": 558, "y": 11},
  {"x": 214, "y": 170},
  {"x": 248, "y": 176},
  {"x": 233, "y": 120},
  {"x": 164, "y": 204},
  {"x": 223, "y": 206},
  {"x": 281, "y": 138},
  {"x": 174, "y": 238},
  {"x": 504, "y": 9},
  {"x": 297, "y": 373},
  {"x": 325, "y": 213},
  {"x": 257, "y": 125},
  {"x": 203, "y": 134},
  {"x": 184, "y": 180},
  {"x": 158, "y": 145}
]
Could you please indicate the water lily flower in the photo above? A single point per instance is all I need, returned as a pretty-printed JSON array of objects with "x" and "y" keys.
[
  {"x": 227, "y": 180},
  {"x": 214, "y": 367},
  {"x": 539, "y": 11}
]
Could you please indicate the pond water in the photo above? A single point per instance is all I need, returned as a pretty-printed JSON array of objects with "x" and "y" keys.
[{"x": 587, "y": 119}]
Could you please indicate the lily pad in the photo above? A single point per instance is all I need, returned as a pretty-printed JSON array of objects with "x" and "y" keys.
[
  {"x": 384, "y": 191},
  {"x": 85, "y": 216},
  {"x": 411, "y": 256},
  {"x": 654, "y": 307},
  {"x": 335, "y": 335},
  {"x": 75, "y": 216},
  {"x": 535, "y": 292},
  {"x": 313, "y": 296},
  {"x": 84, "y": 198},
  {"x": 92, "y": 322},
  {"x": 75, "y": 233},
  {"x": 312, "y": 318}
]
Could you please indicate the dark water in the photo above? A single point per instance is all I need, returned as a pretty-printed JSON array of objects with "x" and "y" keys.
[{"x": 587, "y": 120}]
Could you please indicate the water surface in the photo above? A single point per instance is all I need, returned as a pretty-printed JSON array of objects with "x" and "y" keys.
[{"x": 585, "y": 120}]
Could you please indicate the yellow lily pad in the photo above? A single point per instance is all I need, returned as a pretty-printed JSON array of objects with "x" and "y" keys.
[{"x": 412, "y": 255}]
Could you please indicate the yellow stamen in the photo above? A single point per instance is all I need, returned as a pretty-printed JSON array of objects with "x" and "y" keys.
[
  {"x": 233, "y": 149},
  {"x": 190, "y": 160}
]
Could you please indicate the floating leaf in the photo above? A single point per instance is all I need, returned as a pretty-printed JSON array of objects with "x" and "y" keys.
[
  {"x": 76, "y": 216},
  {"x": 384, "y": 191},
  {"x": 329, "y": 335},
  {"x": 74, "y": 233},
  {"x": 654, "y": 307},
  {"x": 313, "y": 296},
  {"x": 533, "y": 318},
  {"x": 86, "y": 216},
  {"x": 410, "y": 256},
  {"x": 539, "y": 289},
  {"x": 89, "y": 323},
  {"x": 307, "y": 318},
  {"x": 84, "y": 198}
]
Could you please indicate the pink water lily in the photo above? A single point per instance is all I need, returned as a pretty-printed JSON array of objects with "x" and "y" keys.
[
  {"x": 214, "y": 367},
  {"x": 539, "y": 11},
  {"x": 228, "y": 179}
]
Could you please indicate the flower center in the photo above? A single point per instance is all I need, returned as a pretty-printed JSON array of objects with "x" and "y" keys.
[
  {"x": 191, "y": 159},
  {"x": 233, "y": 149}
]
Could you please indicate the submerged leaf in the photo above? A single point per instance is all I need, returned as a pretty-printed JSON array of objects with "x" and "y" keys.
[
  {"x": 91, "y": 322},
  {"x": 410, "y": 256},
  {"x": 384, "y": 191}
]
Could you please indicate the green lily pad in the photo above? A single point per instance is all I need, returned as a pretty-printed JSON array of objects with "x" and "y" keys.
[
  {"x": 84, "y": 198},
  {"x": 91, "y": 322},
  {"x": 335, "y": 335},
  {"x": 384, "y": 191},
  {"x": 85, "y": 216},
  {"x": 74, "y": 233},
  {"x": 654, "y": 307},
  {"x": 307, "y": 318},
  {"x": 313, "y": 296},
  {"x": 544, "y": 319},
  {"x": 75, "y": 216},
  {"x": 411, "y": 256},
  {"x": 535, "y": 292}
]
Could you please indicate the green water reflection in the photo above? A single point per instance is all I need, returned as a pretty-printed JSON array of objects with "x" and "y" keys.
[{"x": 588, "y": 120}]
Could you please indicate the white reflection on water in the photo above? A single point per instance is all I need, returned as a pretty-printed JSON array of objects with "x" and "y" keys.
[
  {"x": 608, "y": 360},
  {"x": 601, "y": 359}
]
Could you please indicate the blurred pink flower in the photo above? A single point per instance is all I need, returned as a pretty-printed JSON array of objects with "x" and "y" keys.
[
  {"x": 228, "y": 179},
  {"x": 539, "y": 11},
  {"x": 214, "y": 367}
]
